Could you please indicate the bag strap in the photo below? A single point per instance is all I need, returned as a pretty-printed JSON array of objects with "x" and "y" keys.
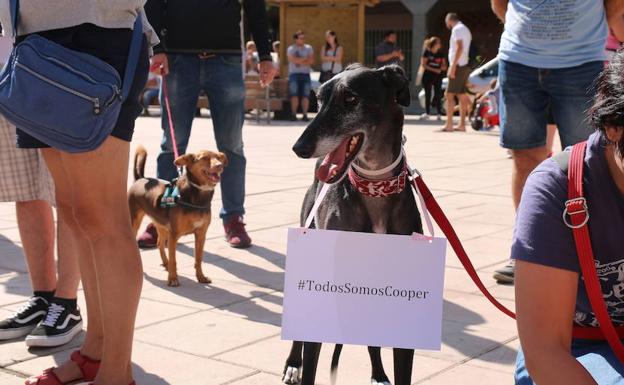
[
  {"x": 576, "y": 211},
  {"x": 133, "y": 54}
]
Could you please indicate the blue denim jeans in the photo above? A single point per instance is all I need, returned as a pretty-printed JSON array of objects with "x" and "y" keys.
[
  {"x": 596, "y": 356},
  {"x": 221, "y": 77},
  {"x": 528, "y": 92}
]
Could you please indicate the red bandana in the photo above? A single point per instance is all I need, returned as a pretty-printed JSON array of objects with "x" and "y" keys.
[{"x": 379, "y": 188}]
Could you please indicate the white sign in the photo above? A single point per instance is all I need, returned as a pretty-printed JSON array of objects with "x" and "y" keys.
[{"x": 364, "y": 289}]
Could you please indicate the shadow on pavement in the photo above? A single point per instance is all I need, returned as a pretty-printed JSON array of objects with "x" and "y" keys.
[{"x": 457, "y": 334}]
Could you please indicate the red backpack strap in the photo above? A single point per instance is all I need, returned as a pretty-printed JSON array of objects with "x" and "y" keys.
[{"x": 576, "y": 217}]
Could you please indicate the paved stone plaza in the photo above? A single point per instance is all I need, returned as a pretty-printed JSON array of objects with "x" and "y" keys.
[{"x": 228, "y": 332}]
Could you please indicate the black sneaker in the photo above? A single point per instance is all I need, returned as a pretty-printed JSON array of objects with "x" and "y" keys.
[
  {"x": 305, "y": 118},
  {"x": 293, "y": 118},
  {"x": 505, "y": 274},
  {"x": 60, "y": 325},
  {"x": 25, "y": 319}
]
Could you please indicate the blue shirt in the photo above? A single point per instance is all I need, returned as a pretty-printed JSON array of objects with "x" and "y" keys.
[
  {"x": 541, "y": 236},
  {"x": 554, "y": 33}
]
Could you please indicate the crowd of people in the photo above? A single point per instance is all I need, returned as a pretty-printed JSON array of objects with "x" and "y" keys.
[{"x": 555, "y": 78}]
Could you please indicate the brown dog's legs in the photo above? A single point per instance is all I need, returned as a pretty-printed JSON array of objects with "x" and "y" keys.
[
  {"x": 200, "y": 240},
  {"x": 172, "y": 266},
  {"x": 163, "y": 235}
]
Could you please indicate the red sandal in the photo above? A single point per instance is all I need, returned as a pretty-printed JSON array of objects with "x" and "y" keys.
[{"x": 88, "y": 367}]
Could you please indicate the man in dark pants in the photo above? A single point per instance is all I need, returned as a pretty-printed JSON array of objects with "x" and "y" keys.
[{"x": 201, "y": 50}]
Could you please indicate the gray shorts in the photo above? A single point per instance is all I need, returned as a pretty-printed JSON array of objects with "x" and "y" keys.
[
  {"x": 24, "y": 175},
  {"x": 458, "y": 85}
]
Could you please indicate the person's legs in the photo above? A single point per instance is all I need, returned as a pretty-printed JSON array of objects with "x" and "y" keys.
[
  {"x": 571, "y": 93},
  {"x": 464, "y": 106},
  {"x": 450, "y": 107},
  {"x": 183, "y": 87},
  {"x": 523, "y": 117},
  {"x": 223, "y": 83},
  {"x": 304, "y": 89},
  {"x": 427, "y": 83},
  {"x": 36, "y": 227},
  {"x": 102, "y": 219},
  {"x": 437, "y": 94},
  {"x": 293, "y": 90},
  {"x": 71, "y": 240}
]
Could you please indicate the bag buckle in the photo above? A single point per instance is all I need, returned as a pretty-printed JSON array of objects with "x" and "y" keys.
[{"x": 574, "y": 207}]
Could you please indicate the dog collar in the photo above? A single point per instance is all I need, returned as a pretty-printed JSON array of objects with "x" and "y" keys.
[
  {"x": 379, "y": 188},
  {"x": 200, "y": 187}
]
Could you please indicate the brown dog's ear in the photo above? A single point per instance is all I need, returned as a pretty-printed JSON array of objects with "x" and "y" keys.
[
  {"x": 185, "y": 160},
  {"x": 394, "y": 78},
  {"x": 222, "y": 158}
]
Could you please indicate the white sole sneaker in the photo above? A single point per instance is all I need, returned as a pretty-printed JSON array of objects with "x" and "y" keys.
[
  {"x": 10, "y": 334},
  {"x": 58, "y": 340}
]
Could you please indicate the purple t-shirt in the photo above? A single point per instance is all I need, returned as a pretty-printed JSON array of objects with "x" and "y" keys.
[{"x": 541, "y": 236}]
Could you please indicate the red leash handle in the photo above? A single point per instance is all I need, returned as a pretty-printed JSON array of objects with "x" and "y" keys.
[
  {"x": 576, "y": 210},
  {"x": 171, "y": 130}
]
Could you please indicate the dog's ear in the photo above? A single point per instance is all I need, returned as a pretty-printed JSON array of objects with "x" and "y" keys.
[
  {"x": 222, "y": 158},
  {"x": 394, "y": 78},
  {"x": 185, "y": 160}
]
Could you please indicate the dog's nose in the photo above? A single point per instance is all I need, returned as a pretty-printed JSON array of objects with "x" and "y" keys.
[{"x": 303, "y": 149}]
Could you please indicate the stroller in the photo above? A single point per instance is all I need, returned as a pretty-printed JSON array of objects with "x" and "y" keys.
[{"x": 482, "y": 117}]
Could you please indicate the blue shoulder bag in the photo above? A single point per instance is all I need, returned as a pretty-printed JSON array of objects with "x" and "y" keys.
[{"x": 68, "y": 100}]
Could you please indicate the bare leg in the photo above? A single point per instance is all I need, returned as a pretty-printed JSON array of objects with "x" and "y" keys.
[
  {"x": 72, "y": 242},
  {"x": 102, "y": 219},
  {"x": 200, "y": 240},
  {"x": 305, "y": 104},
  {"x": 450, "y": 107},
  {"x": 551, "y": 130},
  {"x": 68, "y": 269},
  {"x": 524, "y": 162},
  {"x": 36, "y": 227},
  {"x": 464, "y": 105},
  {"x": 294, "y": 105}
]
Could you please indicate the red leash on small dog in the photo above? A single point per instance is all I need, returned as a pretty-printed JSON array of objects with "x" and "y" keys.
[{"x": 171, "y": 130}]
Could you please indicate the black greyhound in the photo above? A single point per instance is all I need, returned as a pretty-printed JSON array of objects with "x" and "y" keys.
[{"x": 359, "y": 125}]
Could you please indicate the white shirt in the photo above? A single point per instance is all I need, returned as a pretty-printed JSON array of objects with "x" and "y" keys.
[{"x": 459, "y": 32}]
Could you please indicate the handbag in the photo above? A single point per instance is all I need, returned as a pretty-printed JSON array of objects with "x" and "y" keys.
[
  {"x": 327, "y": 75},
  {"x": 68, "y": 100}
]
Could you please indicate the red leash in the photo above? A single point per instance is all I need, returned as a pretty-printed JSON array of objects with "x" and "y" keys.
[
  {"x": 610, "y": 333},
  {"x": 171, "y": 130}
]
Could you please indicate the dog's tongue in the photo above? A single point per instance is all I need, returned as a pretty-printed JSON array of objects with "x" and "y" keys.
[{"x": 333, "y": 160}]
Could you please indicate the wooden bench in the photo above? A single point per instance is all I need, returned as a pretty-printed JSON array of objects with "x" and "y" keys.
[
  {"x": 257, "y": 98},
  {"x": 265, "y": 99}
]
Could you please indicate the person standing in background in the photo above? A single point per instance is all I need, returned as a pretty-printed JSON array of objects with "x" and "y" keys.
[
  {"x": 550, "y": 54},
  {"x": 458, "y": 72},
  {"x": 387, "y": 52},
  {"x": 331, "y": 57},
  {"x": 300, "y": 58},
  {"x": 433, "y": 64},
  {"x": 201, "y": 50}
]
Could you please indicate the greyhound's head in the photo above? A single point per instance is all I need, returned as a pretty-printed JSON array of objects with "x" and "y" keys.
[{"x": 359, "y": 116}]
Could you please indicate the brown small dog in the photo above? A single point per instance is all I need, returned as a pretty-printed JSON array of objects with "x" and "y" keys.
[{"x": 191, "y": 215}]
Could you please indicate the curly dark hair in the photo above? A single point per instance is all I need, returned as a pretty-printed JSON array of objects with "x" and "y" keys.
[{"x": 608, "y": 107}]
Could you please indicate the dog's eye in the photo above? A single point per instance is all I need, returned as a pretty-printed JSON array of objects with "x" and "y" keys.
[{"x": 350, "y": 99}]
